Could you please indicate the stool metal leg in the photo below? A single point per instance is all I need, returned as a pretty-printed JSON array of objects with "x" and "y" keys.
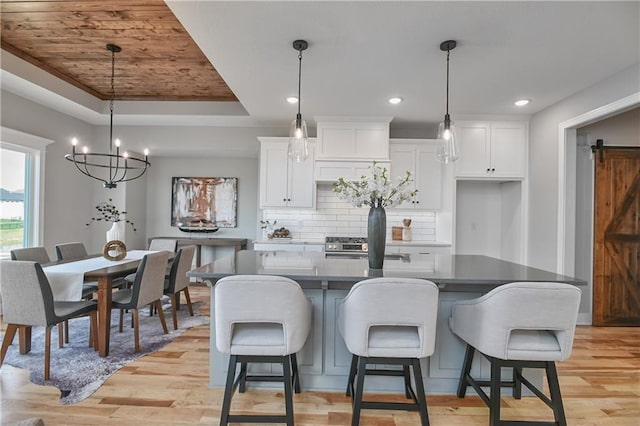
[
  {"x": 243, "y": 377},
  {"x": 288, "y": 394},
  {"x": 494, "y": 401},
  {"x": 296, "y": 376},
  {"x": 421, "y": 399},
  {"x": 228, "y": 391},
  {"x": 357, "y": 397},
  {"x": 554, "y": 390},
  {"x": 407, "y": 381},
  {"x": 352, "y": 375},
  {"x": 517, "y": 384},
  {"x": 466, "y": 370}
]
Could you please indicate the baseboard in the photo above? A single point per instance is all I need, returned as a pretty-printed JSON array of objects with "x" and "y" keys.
[{"x": 584, "y": 319}]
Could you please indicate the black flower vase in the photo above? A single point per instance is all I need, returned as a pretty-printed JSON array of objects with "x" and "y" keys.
[{"x": 376, "y": 233}]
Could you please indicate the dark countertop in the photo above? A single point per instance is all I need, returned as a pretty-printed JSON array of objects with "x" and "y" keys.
[{"x": 459, "y": 273}]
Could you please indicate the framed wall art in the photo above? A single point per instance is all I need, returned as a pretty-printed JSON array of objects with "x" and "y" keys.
[{"x": 204, "y": 204}]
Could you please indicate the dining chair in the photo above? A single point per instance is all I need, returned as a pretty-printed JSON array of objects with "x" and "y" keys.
[
  {"x": 71, "y": 251},
  {"x": 517, "y": 325},
  {"x": 177, "y": 281},
  {"x": 163, "y": 244},
  {"x": 389, "y": 321},
  {"x": 28, "y": 301},
  {"x": 147, "y": 288}
]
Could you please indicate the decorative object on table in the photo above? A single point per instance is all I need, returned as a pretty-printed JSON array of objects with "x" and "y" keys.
[
  {"x": 80, "y": 372},
  {"x": 376, "y": 191},
  {"x": 114, "y": 250},
  {"x": 108, "y": 212},
  {"x": 406, "y": 231},
  {"x": 396, "y": 233},
  {"x": 121, "y": 167},
  {"x": 447, "y": 148},
  {"x": 298, "y": 148},
  {"x": 204, "y": 204}
]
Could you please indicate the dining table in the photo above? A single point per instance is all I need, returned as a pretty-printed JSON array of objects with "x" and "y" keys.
[{"x": 66, "y": 278}]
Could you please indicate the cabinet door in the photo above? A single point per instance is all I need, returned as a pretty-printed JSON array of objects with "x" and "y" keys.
[
  {"x": 273, "y": 175},
  {"x": 300, "y": 180},
  {"x": 473, "y": 145},
  {"x": 428, "y": 179},
  {"x": 402, "y": 159},
  {"x": 507, "y": 149}
]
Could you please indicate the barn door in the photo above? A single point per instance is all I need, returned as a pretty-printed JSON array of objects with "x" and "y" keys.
[{"x": 616, "y": 275}]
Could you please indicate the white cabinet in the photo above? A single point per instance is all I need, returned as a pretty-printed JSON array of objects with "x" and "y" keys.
[
  {"x": 418, "y": 157},
  {"x": 349, "y": 138},
  {"x": 284, "y": 182},
  {"x": 495, "y": 150}
]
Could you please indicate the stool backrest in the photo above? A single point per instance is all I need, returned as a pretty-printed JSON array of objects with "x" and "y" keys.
[
  {"x": 542, "y": 306},
  {"x": 261, "y": 299},
  {"x": 389, "y": 302}
]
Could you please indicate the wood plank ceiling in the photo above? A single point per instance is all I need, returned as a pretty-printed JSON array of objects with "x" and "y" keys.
[{"x": 158, "y": 61}]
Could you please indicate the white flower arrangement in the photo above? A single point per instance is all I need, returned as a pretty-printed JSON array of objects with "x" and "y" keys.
[{"x": 375, "y": 190}]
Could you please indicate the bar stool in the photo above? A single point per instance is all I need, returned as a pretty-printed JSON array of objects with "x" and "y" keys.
[
  {"x": 518, "y": 325},
  {"x": 389, "y": 321},
  {"x": 260, "y": 319}
]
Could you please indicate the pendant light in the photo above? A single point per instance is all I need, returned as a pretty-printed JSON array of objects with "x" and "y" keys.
[
  {"x": 113, "y": 167},
  {"x": 447, "y": 147},
  {"x": 298, "y": 149}
]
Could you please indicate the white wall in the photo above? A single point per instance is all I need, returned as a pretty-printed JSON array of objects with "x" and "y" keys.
[{"x": 544, "y": 154}]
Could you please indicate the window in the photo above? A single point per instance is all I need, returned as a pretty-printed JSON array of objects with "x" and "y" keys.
[{"x": 21, "y": 190}]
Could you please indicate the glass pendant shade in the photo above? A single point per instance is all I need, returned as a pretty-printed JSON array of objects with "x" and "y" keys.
[
  {"x": 447, "y": 146},
  {"x": 298, "y": 141}
]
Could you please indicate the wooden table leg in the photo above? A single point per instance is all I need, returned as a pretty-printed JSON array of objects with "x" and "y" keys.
[
  {"x": 24, "y": 339},
  {"x": 104, "y": 315}
]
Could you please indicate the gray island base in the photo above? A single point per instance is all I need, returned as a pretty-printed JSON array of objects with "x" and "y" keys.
[{"x": 324, "y": 361}]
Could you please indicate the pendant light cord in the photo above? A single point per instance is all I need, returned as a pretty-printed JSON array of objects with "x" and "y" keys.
[
  {"x": 448, "y": 51},
  {"x": 113, "y": 96},
  {"x": 299, "y": 78}
]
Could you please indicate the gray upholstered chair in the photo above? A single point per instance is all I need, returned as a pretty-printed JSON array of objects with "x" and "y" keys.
[
  {"x": 518, "y": 325},
  {"x": 260, "y": 318},
  {"x": 27, "y": 301},
  {"x": 71, "y": 251},
  {"x": 33, "y": 254},
  {"x": 177, "y": 281},
  {"x": 163, "y": 244},
  {"x": 147, "y": 289},
  {"x": 389, "y": 321}
]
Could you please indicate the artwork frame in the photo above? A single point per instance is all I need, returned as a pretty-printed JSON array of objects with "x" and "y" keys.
[{"x": 204, "y": 204}]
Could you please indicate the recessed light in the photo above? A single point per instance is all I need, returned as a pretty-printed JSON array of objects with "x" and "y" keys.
[
  {"x": 522, "y": 102},
  {"x": 292, "y": 100},
  {"x": 395, "y": 100}
]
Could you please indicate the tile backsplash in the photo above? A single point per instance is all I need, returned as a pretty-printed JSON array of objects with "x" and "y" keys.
[{"x": 336, "y": 217}]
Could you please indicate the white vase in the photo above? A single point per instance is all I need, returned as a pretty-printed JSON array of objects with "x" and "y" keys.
[{"x": 116, "y": 232}]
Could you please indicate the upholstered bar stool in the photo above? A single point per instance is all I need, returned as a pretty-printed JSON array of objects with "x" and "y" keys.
[
  {"x": 518, "y": 325},
  {"x": 389, "y": 321},
  {"x": 260, "y": 319}
]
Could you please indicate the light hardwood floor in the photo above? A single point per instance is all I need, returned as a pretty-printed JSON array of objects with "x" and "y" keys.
[{"x": 600, "y": 386}]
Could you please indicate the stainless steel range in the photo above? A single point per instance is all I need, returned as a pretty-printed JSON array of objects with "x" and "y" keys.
[{"x": 346, "y": 246}]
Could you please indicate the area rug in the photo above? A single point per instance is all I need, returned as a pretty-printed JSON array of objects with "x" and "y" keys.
[{"x": 77, "y": 370}]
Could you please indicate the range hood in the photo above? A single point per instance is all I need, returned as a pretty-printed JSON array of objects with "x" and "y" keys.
[{"x": 347, "y": 146}]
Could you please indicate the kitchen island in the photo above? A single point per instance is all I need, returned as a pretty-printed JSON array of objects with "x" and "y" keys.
[{"x": 324, "y": 361}]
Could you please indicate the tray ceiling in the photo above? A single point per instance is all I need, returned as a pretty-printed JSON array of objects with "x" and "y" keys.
[{"x": 158, "y": 61}]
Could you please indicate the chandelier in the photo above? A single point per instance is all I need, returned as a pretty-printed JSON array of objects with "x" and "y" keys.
[
  {"x": 113, "y": 167},
  {"x": 298, "y": 148},
  {"x": 447, "y": 147}
]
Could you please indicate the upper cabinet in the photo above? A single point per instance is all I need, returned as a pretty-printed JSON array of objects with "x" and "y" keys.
[
  {"x": 493, "y": 150},
  {"x": 418, "y": 156},
  {"x": 284, "y": 182},
  {"x": 351, "y": 138}
]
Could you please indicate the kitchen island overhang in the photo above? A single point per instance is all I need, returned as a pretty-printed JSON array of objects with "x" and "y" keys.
[{"x": 324, "y": 361}]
